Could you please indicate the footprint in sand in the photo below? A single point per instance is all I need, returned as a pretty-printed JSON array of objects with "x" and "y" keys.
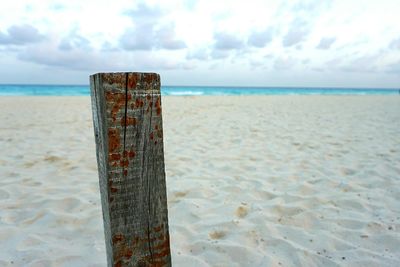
[
  {"x": 242, "y": 211},
  {"x": 217, "y": 234},
  {"x": 177, "y": 196},
  {"x": 180, "y": 194},
  {"x": 29, "y": 164},
  {"x": 347, "y": 171},
  {"x": 52, "y": 159}
]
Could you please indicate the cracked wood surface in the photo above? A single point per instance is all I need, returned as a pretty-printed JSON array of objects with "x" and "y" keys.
[{"x": 129, "y": 142}]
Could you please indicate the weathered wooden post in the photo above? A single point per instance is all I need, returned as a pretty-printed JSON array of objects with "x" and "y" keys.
[{"x": 129, "y": 141}]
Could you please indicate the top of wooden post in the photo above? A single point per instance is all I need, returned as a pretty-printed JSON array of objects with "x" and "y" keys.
[{"x": 146, "y": 81}]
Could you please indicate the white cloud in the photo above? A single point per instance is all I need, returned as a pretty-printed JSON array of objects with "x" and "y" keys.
[
  {"x": 220, "y": 53},
  {"x": 394, "y": 68},
  {"x": 20, "y": 35},
  {"x": 71, "y": 58},
  {"x": 145, "y": 12},
  {"x": 167, "y": 39},
  {"x": 75, "y": 40},
  {"x": 151, "y": 30},
  {"x": 199, "y": 54},
  {"x": 326, "y": 42},
  {"x": 226, "y": 41},
  {"x": 298, "y": 31},
  {"x": 260, "y": 38},
  {"x": 395, "y": 44},
  {"x": 365, "y": 63},
  {"x": 140, "y": 38},
  {"x": 284, "y": 63},
  {"x": 215, "y": 38}
]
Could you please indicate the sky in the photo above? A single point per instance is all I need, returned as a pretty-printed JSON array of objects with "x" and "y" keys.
[{"x": 310, "y": 43}]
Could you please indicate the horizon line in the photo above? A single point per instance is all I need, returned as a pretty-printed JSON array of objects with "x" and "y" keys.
[{"x": 221, "y": 86}]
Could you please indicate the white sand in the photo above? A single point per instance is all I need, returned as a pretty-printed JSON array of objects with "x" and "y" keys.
[{"x": 252, "y": 181}]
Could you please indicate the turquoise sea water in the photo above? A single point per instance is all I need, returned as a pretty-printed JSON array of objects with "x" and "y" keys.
[{"x": 79, "y": 90}]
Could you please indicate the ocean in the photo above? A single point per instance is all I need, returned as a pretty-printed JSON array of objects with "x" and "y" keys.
[{"x": 83, "y": 90}]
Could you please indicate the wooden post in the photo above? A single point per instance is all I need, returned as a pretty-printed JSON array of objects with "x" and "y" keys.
[{"x": 129, "y": 141}]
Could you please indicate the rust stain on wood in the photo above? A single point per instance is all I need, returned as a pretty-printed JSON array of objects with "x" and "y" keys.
[
  {"x": 150, "y": 77},
  {"x": 116, "y": 100},
  {"x": 163, "y": 246},
  {"x": 139, "y": 103},
  {"x": 118, "y": 238},
  {"x": 114, "y": 141},
  {"x": 114, "y": 78},
  {"x": 158, "y": 106},
  {"x": 129, "y": 121},
  {"x": 124, "y": 163},
  {"x": 132, "y": 80},
  {"x": 114, "y": 156},
  {"x": 113, "y": 190},
  {"x": 131, "y": 153}
]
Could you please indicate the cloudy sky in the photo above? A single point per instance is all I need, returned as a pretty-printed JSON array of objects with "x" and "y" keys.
[{"x": 342, "y": 43}]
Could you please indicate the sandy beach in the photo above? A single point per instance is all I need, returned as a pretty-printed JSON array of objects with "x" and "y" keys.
[{"x": 251, "y": 180}]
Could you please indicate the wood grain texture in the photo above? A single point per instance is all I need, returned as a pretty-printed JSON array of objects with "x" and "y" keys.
[{"x": 129, "y": 141}]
